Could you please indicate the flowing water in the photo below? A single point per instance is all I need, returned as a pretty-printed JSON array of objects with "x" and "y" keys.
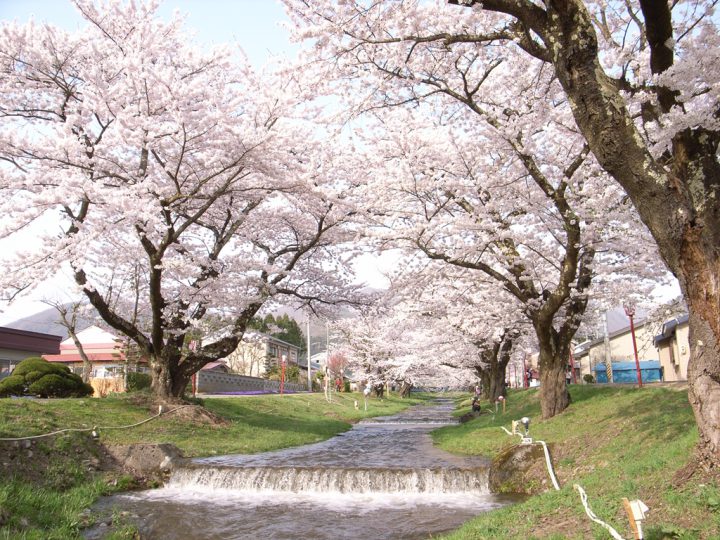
[{"x": 382, "y": 479}]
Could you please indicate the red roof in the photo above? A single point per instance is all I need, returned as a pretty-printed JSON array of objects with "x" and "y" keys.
[{"x": 93, "y": 357}]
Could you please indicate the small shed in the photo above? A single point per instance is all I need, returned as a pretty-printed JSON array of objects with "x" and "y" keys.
[{"x": 626, "y": 372}]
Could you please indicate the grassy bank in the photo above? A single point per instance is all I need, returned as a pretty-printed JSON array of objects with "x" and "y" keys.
[
  {"x": 615, "y": 443},
  {"x": 46, "y": 489}
]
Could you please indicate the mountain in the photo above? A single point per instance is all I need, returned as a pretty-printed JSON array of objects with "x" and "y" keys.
[{"x": 47, "y": 322}]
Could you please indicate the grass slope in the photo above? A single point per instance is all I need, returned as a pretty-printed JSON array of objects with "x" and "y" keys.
[
  {"x": 45, "y": 490},
  {"x": 614, "y": 442}
]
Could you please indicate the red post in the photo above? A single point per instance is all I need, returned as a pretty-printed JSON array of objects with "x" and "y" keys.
[
  {"x": 525, "y": 377},
  {"x": 630, "y": 312},
  {"x": 572, "y": 365}
]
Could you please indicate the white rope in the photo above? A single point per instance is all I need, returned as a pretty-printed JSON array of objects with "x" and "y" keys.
[
  {"x": 549, "y": 466},
  {"x": 95, "y": 427},
  {"x": 591, "y": 514},
  {"x": 580, "y": 490}
]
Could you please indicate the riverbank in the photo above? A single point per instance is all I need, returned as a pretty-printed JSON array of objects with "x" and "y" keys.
[
  {"x": 48, "y": 485},
  {"x": 615, "y": 442}
]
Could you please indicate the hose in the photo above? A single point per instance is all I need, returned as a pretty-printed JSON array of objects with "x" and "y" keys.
[
  {"x": 94, "y": 428},
  {"x": 548, "y": 463},
  {"x": 591, "y": 514},
  {"x": 578, "y": 488}
]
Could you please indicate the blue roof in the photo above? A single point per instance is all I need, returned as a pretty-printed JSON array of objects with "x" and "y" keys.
[{"x": 619, "y": 366}]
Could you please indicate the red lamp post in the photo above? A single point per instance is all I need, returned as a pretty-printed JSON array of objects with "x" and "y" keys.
[
  {"x": 526, "y": 383},
  {"x": 630, "y": 312}
]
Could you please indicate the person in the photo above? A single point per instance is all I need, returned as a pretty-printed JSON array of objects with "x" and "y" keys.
[
  {"x": 476, "y": 403},
  {"x": 338, "y": 384},
  {"x": 477, "y": 391}
]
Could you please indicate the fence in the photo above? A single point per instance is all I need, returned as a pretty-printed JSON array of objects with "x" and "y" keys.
[
  {"x": 626, "y": 372},
  {"x": 214, "y": 382}
]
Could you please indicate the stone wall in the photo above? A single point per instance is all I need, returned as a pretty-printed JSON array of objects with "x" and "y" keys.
[{"x": 213, "y": 382}]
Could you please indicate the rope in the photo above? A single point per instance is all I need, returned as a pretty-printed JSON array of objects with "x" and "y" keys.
[
  {"x": 580, "y": 490},
  {"x": 591, "y": 514},
  {"x": 548, "y": 463},
  {"x": 549, "y": 466},
  {"x": 66, "y": 430}
]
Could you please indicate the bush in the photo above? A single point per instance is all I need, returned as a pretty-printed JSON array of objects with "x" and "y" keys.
[
  {"x": 27, "y": 367},
  {"x": 37, "y": 377},
  {"x": 12, "y": 386},
  {"x": 588, "y": 378},
  {"x": 138, "y": 381}
]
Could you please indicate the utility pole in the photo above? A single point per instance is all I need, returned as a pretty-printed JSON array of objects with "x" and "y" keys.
[
  {"x": 309, "y": 347},
  {"x": 608, "y": 357}
]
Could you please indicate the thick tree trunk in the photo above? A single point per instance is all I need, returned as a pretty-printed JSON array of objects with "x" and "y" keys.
[
  {"x": 704, "y": 380},
  {"x": 405, "y": 389},
  {"x": 679, "y": 204},
  {"x": 554, "y": 395},
  {"x": 496, "y": 382},
  {"x": 168, "y": 383}
]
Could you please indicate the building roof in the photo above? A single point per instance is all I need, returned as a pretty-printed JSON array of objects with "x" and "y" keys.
[
  {"x": 93, "y": 357},
  {"x": 92, "y": 335},
  {"x": 669, "y": 328},
  {"x": 23, "y": 340}
]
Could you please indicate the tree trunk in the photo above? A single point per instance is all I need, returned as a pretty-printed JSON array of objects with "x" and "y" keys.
[
  {"x": 405, "y": 389},
  {"x": 678, "y": 204},
  {"x": 554, "y": 396},
  {"x": 168, "y": 383},
  {"x": 704, "y": 382},
  {"x": 496, "y": 381}
]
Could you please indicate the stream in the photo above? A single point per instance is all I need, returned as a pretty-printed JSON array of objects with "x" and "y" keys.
[{"x": 382, "y": 479}]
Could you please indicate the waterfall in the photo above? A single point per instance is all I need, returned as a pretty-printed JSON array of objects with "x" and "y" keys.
[{"x": 334, "y": 479}]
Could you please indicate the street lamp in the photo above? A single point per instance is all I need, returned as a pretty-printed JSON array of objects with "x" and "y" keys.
[
  {"x": 283, "y": 364},
  {"x": 630, "y": 312}
]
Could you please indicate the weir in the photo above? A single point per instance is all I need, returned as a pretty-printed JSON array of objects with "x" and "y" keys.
[
  {"x": 333, "y": 480},
  {"x": 383, "y": 478}
]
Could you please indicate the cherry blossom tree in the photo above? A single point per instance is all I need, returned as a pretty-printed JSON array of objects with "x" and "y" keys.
[
  {"x": 183, "y": 167},
  {"x": 480, "y": 324},
  {"x": 640, "y": 81},
  {"x": 538, "y": 226}
]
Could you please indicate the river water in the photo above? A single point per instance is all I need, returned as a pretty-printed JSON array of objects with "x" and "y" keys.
[{"x": 383, "y": 479}]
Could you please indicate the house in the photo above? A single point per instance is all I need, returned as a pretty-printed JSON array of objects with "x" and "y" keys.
[
  {"x": 673, "y": 347},
  {"x": 104, "y": 350},
  {"x": 259, "y": 353},
  {"x": 17, "y": 345},
  {"x": 670, "y": 349},
  {"x": 108, "y": 358}
]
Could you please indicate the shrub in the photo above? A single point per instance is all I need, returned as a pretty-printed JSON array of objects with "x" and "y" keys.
[
  {"x": 12, "y": 386},
  {"x": 588, "y": 378},
  {"x": 38, "y": 377},
  {"x": 27, "y": 367},
  {"x": 138, "y": 381}
]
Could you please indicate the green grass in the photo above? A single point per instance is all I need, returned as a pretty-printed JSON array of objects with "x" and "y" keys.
[
  {"x": 51, "y": 499},
  {"x": 615, "y": 443}
]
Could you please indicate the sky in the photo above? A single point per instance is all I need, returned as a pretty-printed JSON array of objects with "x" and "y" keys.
[{"x": 255, "y": 25}]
